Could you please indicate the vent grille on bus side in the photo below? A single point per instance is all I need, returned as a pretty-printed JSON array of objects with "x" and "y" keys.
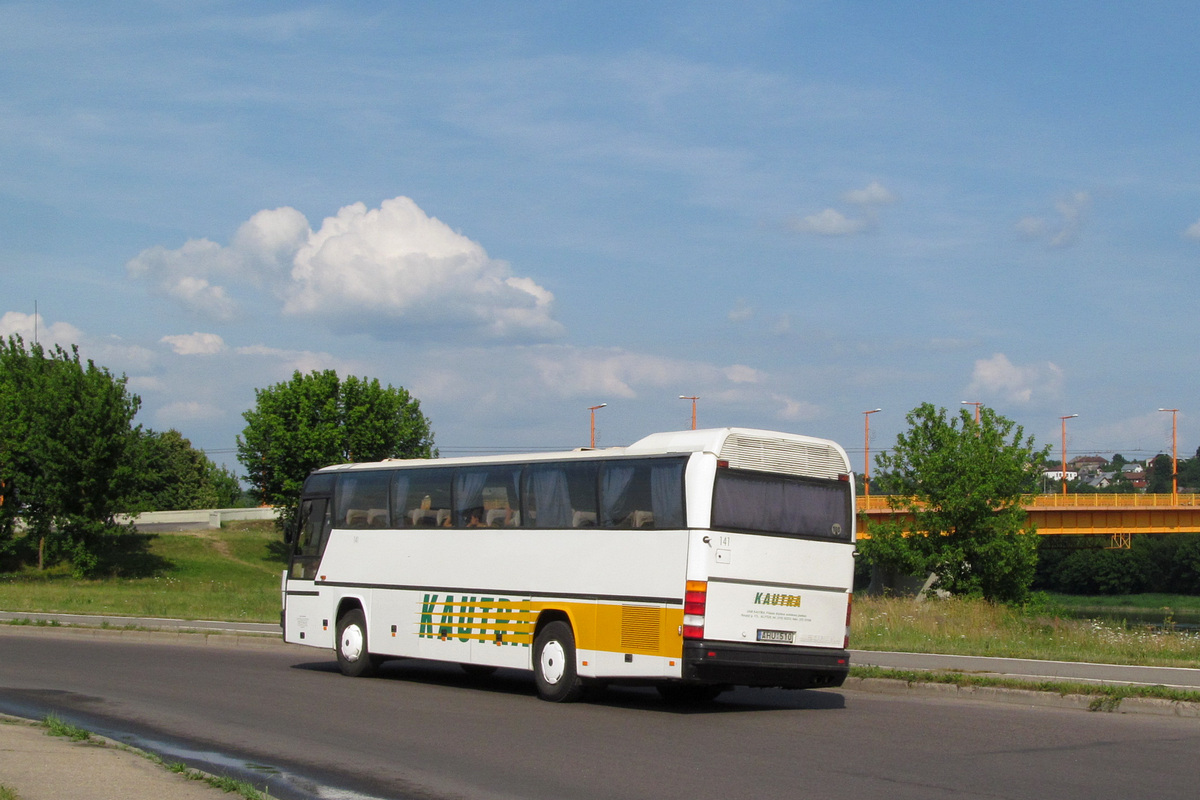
[
  {"x": 763, "y": 454},
  {"x": 640, "y": 628}
]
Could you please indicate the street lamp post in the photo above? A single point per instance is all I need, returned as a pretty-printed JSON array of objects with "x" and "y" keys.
[
  {"x": 1064, "y": 450},
  {"x": 973, "y": 403},
  {"x": 1174, "y": 456},
  {"x": 593, "y": 428},
  {"x": 693, "y": 398},
  {"x": 867, "y": 450}
]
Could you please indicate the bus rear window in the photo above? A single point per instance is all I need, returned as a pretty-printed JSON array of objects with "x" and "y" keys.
[{"x": 781, "y": 505}]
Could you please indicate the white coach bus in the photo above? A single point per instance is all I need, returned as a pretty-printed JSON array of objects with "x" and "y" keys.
[{"x": 693, "y": 561}]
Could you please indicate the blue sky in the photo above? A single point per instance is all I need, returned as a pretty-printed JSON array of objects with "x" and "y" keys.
[{"x": 797, "y": 211}]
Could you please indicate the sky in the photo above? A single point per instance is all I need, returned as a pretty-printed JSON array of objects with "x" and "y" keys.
[{"x": 796, "y": 211}]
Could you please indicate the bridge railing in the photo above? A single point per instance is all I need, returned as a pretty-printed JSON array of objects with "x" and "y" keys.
[
  {"x": 1112, "y": 500},
  {"x": 1040, "y": 501}
]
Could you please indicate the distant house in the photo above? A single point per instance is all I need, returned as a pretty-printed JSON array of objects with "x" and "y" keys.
[
  {"x": 1088, "y": 465},
  {"x": 1056, "y": 475},
  {"x": 1135, "y": 474}
]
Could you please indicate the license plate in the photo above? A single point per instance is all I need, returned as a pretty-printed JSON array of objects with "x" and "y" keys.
[{"x": 783, "y": 637}]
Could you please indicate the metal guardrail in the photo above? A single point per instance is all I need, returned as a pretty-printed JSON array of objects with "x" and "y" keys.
[
  {"x": 1116, "y": 515},
  {"x": 207, "y": 517},
  {"x": 883, "y": 503}
]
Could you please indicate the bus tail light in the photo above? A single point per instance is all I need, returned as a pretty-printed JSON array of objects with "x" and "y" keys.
[{"x": 695, "y": 599}]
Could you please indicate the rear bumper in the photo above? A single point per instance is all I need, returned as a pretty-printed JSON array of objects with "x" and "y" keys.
[{"x": 764, "y": 665}]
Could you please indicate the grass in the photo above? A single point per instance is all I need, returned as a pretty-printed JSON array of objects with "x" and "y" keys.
[
  {"x": 227, "y": 574},
  {"x": 973, "y": 627},
  {"x": 56, "y": 727},
  {"x": 1105, "y": 697},
  {"x": 1174, "y": 603},
  {"x": 7, "y": 793}
]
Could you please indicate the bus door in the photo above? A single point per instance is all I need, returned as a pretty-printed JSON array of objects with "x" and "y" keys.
[{"x": 303, "y": 622}]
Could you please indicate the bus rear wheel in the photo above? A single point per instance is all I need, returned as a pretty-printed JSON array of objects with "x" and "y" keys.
[
  {"x": 353, "y": 657},
  {"x": 554, "y": 664}
]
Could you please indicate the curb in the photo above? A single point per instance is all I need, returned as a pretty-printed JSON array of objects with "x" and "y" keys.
[
  {"x": 188, "y": 637},
  {"x": 1028, "y": 697}
]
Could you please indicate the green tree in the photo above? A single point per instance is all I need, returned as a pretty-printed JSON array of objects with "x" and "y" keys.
[
  {"x": 1189, "y": 472},
  {"x": 1160, "y": 479},
  {"x": 316, "y": 420},
  {"x": 170, "y": 475},
  {"x": 65, "y": 431},
  {"x": 961, "y": 485}
]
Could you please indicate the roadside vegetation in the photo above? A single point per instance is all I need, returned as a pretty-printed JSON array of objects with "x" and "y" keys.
[
  {"x": 73, "y": 460},
  {"x": 57, "y": 727},
  {"x": 226, "y": 574},
  {"x": 1103, "y": 697},
  {"x": 1041, "y": 630},
  {"x": 233, "y": 574}
]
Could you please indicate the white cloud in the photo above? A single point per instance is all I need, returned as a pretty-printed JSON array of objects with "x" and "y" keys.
[
  {"x": 564, "y": 372},
  {"x": 182, "y": 275},
  {"x": 303, "y": 361},
  {"x": 1063, "y": 229},
  {"x": 382, "y": 271},
  {"x": 110, "y": 352},
  {"x": 829, "y": 222},
  {"x": 31, "y": 327},
  {"x": 176, "y": 414},
  {"x": 1149, "y": 431},
  {"x": 874, "y": 194},
  {"x": 1193, "y": 231},
  {"x": 832, "y": 222},
  {"x": 741, "y": 312},
  {"x": 195, "y": 344},
  {"x": 146, "y": 383},
  {"x": 796, "y": 410},
  {"x": 997, "y": 376},
  {"x": 740, "y": 373}
]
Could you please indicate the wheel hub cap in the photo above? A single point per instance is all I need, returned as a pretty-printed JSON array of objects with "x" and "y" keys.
[{"x": 554, "y": 662}]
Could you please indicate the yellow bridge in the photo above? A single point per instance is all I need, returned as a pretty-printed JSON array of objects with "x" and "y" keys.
[{"x": 1116, "y": 515}]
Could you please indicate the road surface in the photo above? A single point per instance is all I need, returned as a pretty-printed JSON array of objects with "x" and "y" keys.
[{"x": 283, "y": 715}]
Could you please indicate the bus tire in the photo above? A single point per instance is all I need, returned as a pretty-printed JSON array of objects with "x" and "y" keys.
[
  {"x": 353, "y": 657},
  {"x": 554, "y": 664}
]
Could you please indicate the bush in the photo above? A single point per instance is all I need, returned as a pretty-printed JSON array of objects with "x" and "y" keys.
[{"x": 1167, "y": 563}]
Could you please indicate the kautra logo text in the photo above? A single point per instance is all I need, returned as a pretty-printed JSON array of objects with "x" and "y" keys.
[
  {"x": 771, "y": 599},
  {"x": 491, "y": 619}
]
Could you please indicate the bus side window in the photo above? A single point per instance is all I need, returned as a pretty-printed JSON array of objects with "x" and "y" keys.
[
  {"x": 487, "y": 497},
  {"x": 362, "y": 500},
  {"x": 423, "y": 497},
  {"x": 561, "y": 495},
  {"x": 643, "y": 493}
]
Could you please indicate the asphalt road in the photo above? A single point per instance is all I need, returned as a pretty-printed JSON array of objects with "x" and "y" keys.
[
  {"x": 285, "y": 715},
  {"x": 1029, "y": 669}
]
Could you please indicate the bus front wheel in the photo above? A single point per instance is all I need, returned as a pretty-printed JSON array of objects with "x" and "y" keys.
[
  {"x": 353, "y": 657},
  {"x": 554, "y": 664}
]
